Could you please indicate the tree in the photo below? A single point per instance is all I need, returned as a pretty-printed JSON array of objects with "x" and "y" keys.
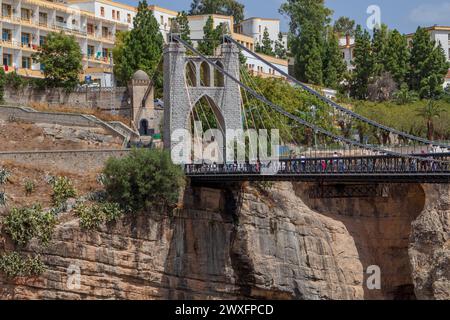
[
  {"x": 118, "y": 54},
  {"x": 344, "y": 26},
  {"x": 225, "y": 7},
  {"x": 334, "y": 64},
  {"x": 431, "y": 112},
  {"x": 280, "y": 47},
  {"x": 266, "y": 46},
  {"x": 60, "y": 55},
  {"x": 143, "y": 180},
  {"x": 207, "y": 46},
  {"x": 382, "y": 88},
  {"x": 142, "y": 48},
  {"x": 428, "y": 65},
  {"x": 397, "y": 57},
  {"x": 363, "y": 63},
  {"x": 183, "y": 26},
  {"x": 308, "y": 23},
  {"x": 379, "y": 49},
  {"x": 211, "y": 37}
]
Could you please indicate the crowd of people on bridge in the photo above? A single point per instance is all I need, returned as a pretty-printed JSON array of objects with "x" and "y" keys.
[{"x": 337, "y": 164}]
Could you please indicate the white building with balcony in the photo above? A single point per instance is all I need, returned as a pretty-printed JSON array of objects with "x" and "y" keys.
[
  {"x": 25, "y": 25},
  {"x": 255, "y": 28},
  {"x": 94, "y": 23}
]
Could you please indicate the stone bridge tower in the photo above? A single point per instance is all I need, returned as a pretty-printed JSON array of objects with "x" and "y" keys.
[{"x": 187, "y": 79}]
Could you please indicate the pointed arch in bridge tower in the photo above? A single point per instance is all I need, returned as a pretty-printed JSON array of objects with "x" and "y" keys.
[
  {"x": 179, "y": 97},
  {"x": 205, "y": 74},
  {"x": 190, "y": 74},
  {"x": 218, "y": 77}
]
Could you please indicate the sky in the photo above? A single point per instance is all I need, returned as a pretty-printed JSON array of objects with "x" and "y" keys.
[{"x": 404, "y": 15}]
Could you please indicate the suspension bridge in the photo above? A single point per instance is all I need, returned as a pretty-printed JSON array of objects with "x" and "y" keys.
[{"x": 322, "y": 140}]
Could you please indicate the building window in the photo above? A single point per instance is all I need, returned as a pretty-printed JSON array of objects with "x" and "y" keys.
[
  {"x": 6, "y": 35},
  {"x": 26, "y": 62},
  {"x": 161, "y": 20},
  {"x": 60, "y": 21},
  {"x": 102, "y": 11},
  {"x": 90, "y": 51},
  {"x": 7, "y": 59},
  {"x": 105, "y": 32},
  {"x": 43, "y": 19},
  {"x": 90, "y": 28},
  {"x": 105, "y": 54},
  {"x": 6, "y": 10},
  {"x": 25, "y": 14},
  {"x": 114, "y": 14},
  {"x": 129, "y": 18},
  {"x": 42, "y": 40},
  {"x": 118, "y": 15},
  {"x": 25, "y": 39}
]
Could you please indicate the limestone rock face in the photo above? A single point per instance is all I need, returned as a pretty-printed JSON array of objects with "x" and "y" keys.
[
  {"x": 276, "y": 244},
  {"x": 430, "y": 246}
]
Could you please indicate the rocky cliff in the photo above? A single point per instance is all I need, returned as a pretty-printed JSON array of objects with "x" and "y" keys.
[{"x": 247, "y": 243}]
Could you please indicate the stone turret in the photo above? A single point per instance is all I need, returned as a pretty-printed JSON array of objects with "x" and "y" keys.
[{"x": 144, "y": 115}]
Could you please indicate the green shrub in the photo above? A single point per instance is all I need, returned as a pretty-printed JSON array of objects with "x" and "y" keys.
[
  {"x": 3, "y": 198},
  {"x": 4, "y": 175},
  {"x": 91, "y": 217},
  {"x": 2, "y": 84},
  {"x": 13, "y": 80},
  {"x": 111, "y": 211},
  {"x": 14, "y": 265},
  {"x": 405, "y": 96},
  {"x": 62, "y": 190},
  {"x": 29, "y": 187},
  {"x": 24, "y": 224},
  {"x": 144, "y": 179}
]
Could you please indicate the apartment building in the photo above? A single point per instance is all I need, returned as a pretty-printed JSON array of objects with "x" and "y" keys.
[
  {"x": 25, "y": 25},
  {"x": 256, "y": 67},
  {"x": 94, "y": 23},
  {"x": 255, "y": 28}
]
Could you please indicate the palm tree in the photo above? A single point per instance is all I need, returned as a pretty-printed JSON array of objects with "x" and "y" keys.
[{"x": 431, "y": 111}]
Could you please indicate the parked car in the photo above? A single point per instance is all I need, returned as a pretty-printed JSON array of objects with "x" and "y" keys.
[
  {"x": 159, "y": 103},
  {"x": 90, "y": 85}
]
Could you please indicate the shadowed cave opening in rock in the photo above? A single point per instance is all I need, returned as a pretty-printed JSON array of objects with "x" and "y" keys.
[{"x": 381, "y": 227}]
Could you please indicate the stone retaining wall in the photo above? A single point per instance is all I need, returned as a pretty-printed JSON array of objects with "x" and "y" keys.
[{"x": 77, "y": 161}]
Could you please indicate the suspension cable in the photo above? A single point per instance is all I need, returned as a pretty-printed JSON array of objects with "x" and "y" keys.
[
  {"x": 293, "y": 117},
  {"x": 335, "y": 105}
]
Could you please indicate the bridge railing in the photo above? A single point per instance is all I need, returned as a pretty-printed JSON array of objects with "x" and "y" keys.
[{"x": 368, "y": 165}]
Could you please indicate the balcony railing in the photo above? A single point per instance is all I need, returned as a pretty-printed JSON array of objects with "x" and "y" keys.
[
  {"x": 97, "y": 58},
  {"x": 61, "y": 27},
  {"x": 25, "y": 19},
  {"x": 10, "y": 18},
  {"x": 19, "y": 44}
]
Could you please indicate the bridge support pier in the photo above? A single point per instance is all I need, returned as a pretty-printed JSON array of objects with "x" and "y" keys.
[{"x": 180, "y": 97}]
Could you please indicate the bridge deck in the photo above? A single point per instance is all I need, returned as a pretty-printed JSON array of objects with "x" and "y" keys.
[{"x": 434, "y": 169}]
